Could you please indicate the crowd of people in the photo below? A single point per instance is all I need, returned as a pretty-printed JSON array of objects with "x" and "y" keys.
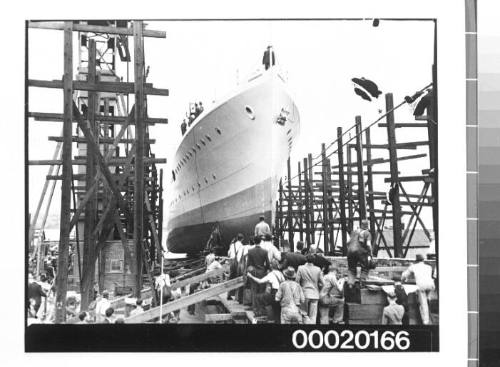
[
  {"x": 305, "y": 287},
  {"x": 194, "y": 111}
]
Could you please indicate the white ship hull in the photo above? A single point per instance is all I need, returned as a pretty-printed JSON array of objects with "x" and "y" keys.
[{"x": 228, "y": 165}]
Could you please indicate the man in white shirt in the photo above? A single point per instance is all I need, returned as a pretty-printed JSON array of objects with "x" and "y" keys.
[
  {"x": 423, "y": 277},
  {"x": 262, "y": 228},
  {"x": 102, "y": 305},
  {"x": 235, "y": 255},
  {"x": 272, "y": 251}
]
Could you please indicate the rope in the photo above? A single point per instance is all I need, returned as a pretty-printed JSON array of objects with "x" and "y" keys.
[{"x": 350, "y": 139}]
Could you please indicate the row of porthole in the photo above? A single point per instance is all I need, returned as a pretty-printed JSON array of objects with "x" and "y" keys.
[
  {"x": 192, "y": 151},
  {"x": 186, "y": 192}
]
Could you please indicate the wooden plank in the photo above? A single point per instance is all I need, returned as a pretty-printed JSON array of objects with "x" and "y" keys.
[
  {"x": 63, "y": 257},
  {"x": 108, "y": 87},
  {"x": 365, "y": 312},
  {"x": 199, "y": 278},
  {"x": 218, "y": 317},
  {"x": 96, "y": 29},
  {"x": 411, "y": 124},
  {"x": 89, "y": 201},
  {"x": 359, "y": 158},
  {"x": 412, "y": 179},
  {"x": 139, "y": 147},
  {"x": 187, "y": 300},
  {"x": 391, "y": 137},
  {"x": 119, "y": 120},
  {"x": 342, "y": 194},
  {"x": 42, "y": 195},
  {"x": 324, "y": 200},
  {"x": 370, "y": 197},
  {"x": 153, "y": 227},
  {"x": 289, "y": 214},
  {"x": 121, "y": 161},
  {"x": 80, "y": 139}
]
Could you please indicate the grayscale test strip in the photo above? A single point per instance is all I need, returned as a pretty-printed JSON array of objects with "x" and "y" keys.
[{"x": 472, "y": 182}]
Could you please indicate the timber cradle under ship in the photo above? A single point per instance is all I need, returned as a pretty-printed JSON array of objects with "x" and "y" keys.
[{"x": 228, "y": 165}]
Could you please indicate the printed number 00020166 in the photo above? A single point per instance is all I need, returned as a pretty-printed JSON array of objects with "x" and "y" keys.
[{"x": 351, "y": 340}]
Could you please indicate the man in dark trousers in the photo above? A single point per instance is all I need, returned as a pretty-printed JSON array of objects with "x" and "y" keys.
[
  {"x": 268, "y": 59},
  {"x": 359, "y": 252},
  {"x": 258, "y": 259}
]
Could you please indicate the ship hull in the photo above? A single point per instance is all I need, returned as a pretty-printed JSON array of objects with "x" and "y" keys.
[{"x": 228, "y": 166}]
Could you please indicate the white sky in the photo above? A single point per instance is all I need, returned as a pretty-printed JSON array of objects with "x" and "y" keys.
[{"x": 202, "y": 61}]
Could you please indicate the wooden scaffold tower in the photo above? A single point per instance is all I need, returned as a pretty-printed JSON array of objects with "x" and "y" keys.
[{"x": 116, "y": 193}]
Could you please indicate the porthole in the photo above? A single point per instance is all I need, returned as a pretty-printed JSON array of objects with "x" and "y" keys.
[
  {"x": 208, "y": 137},
  {"x": 198, "y": 146},
  {"x": 206, "y": 181},
  {"x": 199, "y": 184},
  {"x": 218, "y": 131},
  {"x": 250, "y": 112},
  {"x": 203, "y": 142},
  {"x": 194, "y": 150},
  {"x": 213, "y": 175}
]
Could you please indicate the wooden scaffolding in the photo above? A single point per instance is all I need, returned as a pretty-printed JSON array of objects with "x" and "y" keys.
[
  {"x": 327, "y": 196},
  {"x": 117, "y": 191}
]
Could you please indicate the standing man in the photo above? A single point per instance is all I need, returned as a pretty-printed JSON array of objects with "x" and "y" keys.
[
  {"x": 331, "y": 298},
  {"x": 183, "y": 127},
  {"x": 35, "y": 292},
  {"x": 402, "y": 298},
  {"x": 425, "y": 284},
  {"x": 311, "y": 280},
  {"x": 257, "y": 258},
  {"x": 359, "y": 252},
  {"x": 272, "y": 252},
  {"x": 290, "y": 296},
  {"x": 102, "y": 305},
  {"x": 393, "y": 313},
  {"x": 235, "y": 255},
  {"x": 262, "y": 228},
  {"x": 268, "y": 59}
]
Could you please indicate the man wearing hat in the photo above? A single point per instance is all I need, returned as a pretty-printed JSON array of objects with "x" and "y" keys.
[
  {"x": 290, "y": 296},
  {"x": 331, "y": 298},
  {"x": 359, "y": 252},
  {"x": 425, "y": 284}
]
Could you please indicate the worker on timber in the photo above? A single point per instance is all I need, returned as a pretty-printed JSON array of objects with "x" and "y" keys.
[
  {"x": 262, "y": 228},
  {"x": 425, "y": 284},
  {"x": 268, "y": 59},
  {"x": 331, "y": 298},
  {"x": 192, "y": 117},
  {"x": 393, "y": 313},
  {"x": 359, "y": 252},
  {"x": 183, "y": 127},
  {"x": 311, "y": 280},
  {"x": 290, "y": 296},
  {"x": 200, "y": 106},
  {"x": 257, "y": 258}
]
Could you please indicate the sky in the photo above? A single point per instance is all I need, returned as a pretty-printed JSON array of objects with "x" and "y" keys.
[{"x": 205, "y": 60}]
